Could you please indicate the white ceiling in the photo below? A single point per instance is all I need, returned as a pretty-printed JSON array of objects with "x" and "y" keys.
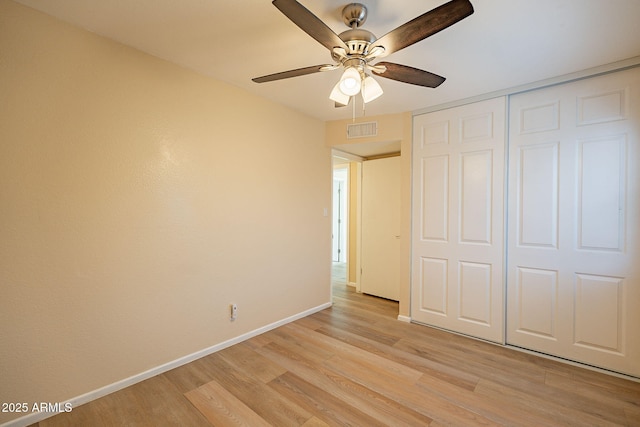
[{"x": 505, "y": 43}]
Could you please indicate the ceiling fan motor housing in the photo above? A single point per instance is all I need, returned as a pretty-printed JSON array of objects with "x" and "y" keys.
[{"x": 358, "y": 41}]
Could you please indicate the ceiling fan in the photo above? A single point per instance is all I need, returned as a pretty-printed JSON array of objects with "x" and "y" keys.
[{"x": 355, "y": 49}]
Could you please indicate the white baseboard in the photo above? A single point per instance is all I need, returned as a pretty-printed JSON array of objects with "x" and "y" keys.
[
  {"x": 405, "y": 319},
  {"x": 119, "y": 385}
]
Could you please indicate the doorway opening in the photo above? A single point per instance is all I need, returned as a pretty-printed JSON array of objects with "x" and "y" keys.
[{"x": 347, "y": 271}]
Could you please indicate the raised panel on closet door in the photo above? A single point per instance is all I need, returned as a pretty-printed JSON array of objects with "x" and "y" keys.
[
  {"x": 573, "y": 245},
  {"x": 474, "y": 299},
  {"x": 601, "y": 193},
  {"x": 434, "y": 207},
  {"x": 536, "y": 296},
  {"x": 458, "y": 205},
  {"x": 537, "y": 195},
  {"x": 599, "y": 318},
  {"x": 433, "y": 285},
  {"x": 476, "y": 197}
]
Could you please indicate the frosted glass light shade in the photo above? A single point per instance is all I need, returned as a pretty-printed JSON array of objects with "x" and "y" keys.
[
  {"x": 370, "y": 90},
  {"x": 350, "y": 82},
  {"x": 338, "y": 96}
]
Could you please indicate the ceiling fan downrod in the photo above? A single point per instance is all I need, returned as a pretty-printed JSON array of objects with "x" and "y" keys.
[{"x": 354, "y": 15}]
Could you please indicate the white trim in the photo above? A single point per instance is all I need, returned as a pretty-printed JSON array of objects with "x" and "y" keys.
[
  {"x": 346, "y": 156},
  {"x": 590, "y": 72},
  {"x": 119, "y": 385},
  {"x": 405, "y": 319}
]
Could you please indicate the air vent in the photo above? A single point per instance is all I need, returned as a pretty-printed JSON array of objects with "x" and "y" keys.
[{"x": 361, "y": 130}]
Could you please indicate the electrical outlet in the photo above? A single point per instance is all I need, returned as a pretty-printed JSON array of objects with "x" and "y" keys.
[{"x": 233, "y": 308}]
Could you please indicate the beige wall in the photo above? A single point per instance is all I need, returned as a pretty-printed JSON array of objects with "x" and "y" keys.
[
  {"x": 391, "y": 127},
  {"x": 137, "y": 200}
]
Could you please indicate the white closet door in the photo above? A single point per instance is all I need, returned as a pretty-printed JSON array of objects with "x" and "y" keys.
[
  {"x": 458, "y": 224},
  {"x": 381, "y": 228},
  {"x": 573, "y": 247}
]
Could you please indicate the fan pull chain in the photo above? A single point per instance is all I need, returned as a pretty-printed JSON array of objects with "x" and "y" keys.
[
  {"x": 353, "y": 108},
  {"x": 362, "y": 92},
  {"x": 355, "y": 99}
]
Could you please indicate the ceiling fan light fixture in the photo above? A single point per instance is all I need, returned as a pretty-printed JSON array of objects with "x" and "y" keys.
[
  {"x": 339, "y": 97},
  {"x": 370, "y": 89},
  {"x": 350, "y": 82}
]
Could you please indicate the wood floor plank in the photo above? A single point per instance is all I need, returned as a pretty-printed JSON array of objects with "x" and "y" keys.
[
  {"x": 549, "y": 407},
  {"x": 321, "y": 403},
  {"x": 222, "y": 408},
  {"x": 484, "y": 368},
  {"x": 488, "y": 356},
  {"x": 416, "y": 398},
  {"x": 258, "y": 341},
  {"x": 451, "y": 374},
  {"x": 633, "y": 416},
  {"x": 252, "y": 364},
  {"x": 352, "y": 316},
  {"x": 474, "y": 402},
  {"x": 314, "y": 422},
  {"x": 398, "y": 371},
  {"x": 593, "y": 399},
  {"x": 360, "y": 305},
  {"x": 192, "y": 375},
  {"x": 350, "y": 392},
  {"x": 616, "y": 387},
  {"x": 310, "y": 322},
  {"x": 363, "y": 328},
  {"x": 367, "y": 304},
  {"x": 313, "y": 350},
  {"x": 271, "y": 406}
]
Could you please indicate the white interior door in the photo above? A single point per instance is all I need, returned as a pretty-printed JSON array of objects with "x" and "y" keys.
[
  {"x": 574, "y": 212},
  {"x": 381, "y": 228},
  {"x": 458, "y": 219}
]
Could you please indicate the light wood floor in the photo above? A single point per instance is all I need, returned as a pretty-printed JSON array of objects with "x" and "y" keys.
[{"x": 355, "y": 364}]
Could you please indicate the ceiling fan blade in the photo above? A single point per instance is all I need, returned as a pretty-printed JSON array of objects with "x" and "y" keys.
[
  {"x": 406, "y": 74},
  {"x": 309, "y": 23},
  {"x": 291, "y": 73},
  {"x": 424, "y": 26}
]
